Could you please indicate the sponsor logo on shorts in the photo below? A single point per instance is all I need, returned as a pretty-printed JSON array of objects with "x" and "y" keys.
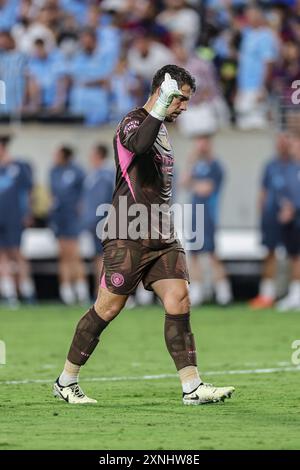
[{"x": 117, "y": 279}]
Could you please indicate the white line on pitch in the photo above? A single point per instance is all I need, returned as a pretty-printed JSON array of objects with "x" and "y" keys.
[{"x": 157, "y": 377}]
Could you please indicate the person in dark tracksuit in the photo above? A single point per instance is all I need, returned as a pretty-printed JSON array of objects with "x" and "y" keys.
[
  {"x": 15, "y": 186},
  {"x": 24, "y": 279},
  {"x": 289, "y": 218},
  {"x": 98, "y": 189},
  {"x": 66, "y": 183},
  {"x": 273, "y": 182},
  {"x": 205, "y": 180}
]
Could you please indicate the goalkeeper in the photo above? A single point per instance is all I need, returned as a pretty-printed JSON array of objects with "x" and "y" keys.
[{"x": 144, "y": 163}]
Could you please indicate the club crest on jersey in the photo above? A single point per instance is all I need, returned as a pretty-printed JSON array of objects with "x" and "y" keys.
[{"x": 117, "y": 279}]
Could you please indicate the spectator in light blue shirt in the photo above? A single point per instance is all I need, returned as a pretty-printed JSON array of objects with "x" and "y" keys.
[
  {"x": 13, "y": 73},
  {"x": 259, "y": 51},
  {"x": 8, "y": 14},
  {"x": 66, "y": 51},
  {"x": 90, "y": 72},
  {"x": 77, "y": 8},
  {"x": 43, "y": 77},
  {"x": 108, "y": 34},
  {"x": 126, "y": 89}
]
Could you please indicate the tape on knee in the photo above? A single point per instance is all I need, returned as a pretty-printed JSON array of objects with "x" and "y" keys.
[
  {"x": 180, "y": 340},
  {"x": 86, "y": 337}
]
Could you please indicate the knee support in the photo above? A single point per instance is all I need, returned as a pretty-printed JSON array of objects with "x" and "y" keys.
[
  {"x": 86, "y": 337},
  {"x": 180, "y": 340}
]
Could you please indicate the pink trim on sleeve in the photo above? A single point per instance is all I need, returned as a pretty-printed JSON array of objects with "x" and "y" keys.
[{"x": 125, "y": 158}]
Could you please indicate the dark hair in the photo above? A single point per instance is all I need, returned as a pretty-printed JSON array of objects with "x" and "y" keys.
[
  {"x": 65, "y": 35},
  {"x": 102, "y": 150},
  {"x": 88, "y": 31},
  {"x": 67, "y": 152},
  {"x": 39, "y": 42},
  {"x": 6, "y": 33},
  {"x": 182, "y": 76},
  {"x": 5, "y": 139}
]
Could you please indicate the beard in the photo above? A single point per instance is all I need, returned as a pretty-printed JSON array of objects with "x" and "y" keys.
[{"x": 172, "y": 117}]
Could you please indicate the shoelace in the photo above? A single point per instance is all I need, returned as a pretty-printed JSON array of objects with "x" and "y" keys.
[
  {"x": 77, "y": 391},
  {"x": 203, "y": 384}
]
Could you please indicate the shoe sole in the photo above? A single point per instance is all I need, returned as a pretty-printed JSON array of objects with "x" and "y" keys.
[{"x": 216, "y": 400}]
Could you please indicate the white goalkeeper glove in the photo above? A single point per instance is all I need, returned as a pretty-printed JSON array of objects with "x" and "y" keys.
[{"x": 168, "y": 90}]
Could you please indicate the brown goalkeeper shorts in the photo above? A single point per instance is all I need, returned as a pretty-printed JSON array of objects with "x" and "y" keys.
[{"x": 126, "y": 263}]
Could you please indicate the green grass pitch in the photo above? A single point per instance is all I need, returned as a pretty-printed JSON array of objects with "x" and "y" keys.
[{"x": 146, "y": 413}]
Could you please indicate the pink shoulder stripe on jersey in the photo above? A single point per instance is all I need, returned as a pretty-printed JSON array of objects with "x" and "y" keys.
[
  {"x": 103, "y": 282},
  {"x": 125, "y": 157}
]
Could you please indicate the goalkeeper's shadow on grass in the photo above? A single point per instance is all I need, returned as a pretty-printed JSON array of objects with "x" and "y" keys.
[{"x": 148, "y": 406}]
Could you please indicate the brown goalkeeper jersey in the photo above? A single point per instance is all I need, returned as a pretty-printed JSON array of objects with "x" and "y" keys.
[{"x": 144, "y": 163}]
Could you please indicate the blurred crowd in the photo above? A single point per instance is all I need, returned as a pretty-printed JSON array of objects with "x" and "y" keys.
[
  {"x": 94, "y": 59},
  {"x": 75, "y": 193}
]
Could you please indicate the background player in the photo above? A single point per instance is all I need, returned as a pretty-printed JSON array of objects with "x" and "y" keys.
[
  {"x": 205, "y": 180},
  {"x": 15, "y": 186},
  {"x": 273, "y": 180},
  {"x": 144, "y": 161},
  {"x": 66, "y": 181},
  {"x": 289, "y": 218},
  {"x": 98, "y": 189}
]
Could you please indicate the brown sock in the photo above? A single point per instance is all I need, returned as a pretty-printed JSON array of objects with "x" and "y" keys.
[
  {"x": 180, "y": 340},
  {"x": 86, "y": 337}
]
